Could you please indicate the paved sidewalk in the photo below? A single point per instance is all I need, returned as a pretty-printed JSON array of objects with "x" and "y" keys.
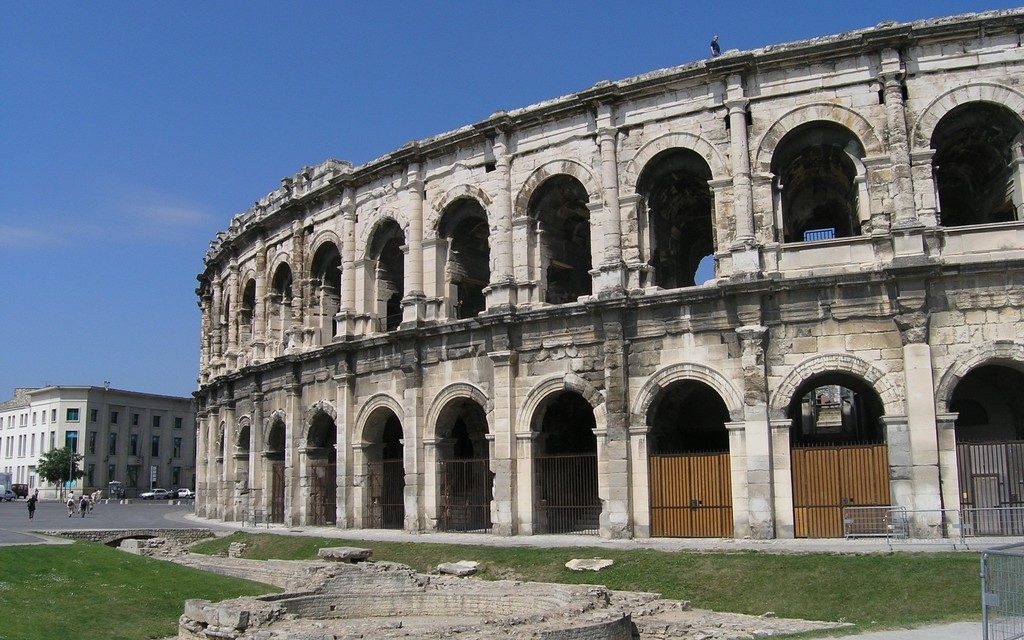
[
  {"x": 955, "y": 631},
  {"x": 853, "y": 546}
]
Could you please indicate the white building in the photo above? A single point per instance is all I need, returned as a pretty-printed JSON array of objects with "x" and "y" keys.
[{"x": 138, "y": 439}]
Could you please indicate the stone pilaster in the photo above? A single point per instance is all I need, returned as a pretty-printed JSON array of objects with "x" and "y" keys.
[
  {"x": 524, "y": 481},
  {"x": 344, "y": 379},
  {"x": 613, "y": 443},
  {"x": 738, "y": 478},
  {"x": 411, "y": 384},
  {"x": 640, "y": 477},
  {"x": 293, "y": 511},
  {"x": 757, "y": 439},
  {"x": 259, "y": 339},
  {"x": 413, "y": 302},
  {"x": 949, "y": 471},
  {"x": 259, "y": 483},
  {"x": 502, "y": 460},
  {"x": 501, "y": 291},
  {"x": 347, "y": 311},
  {"x": 202, "y": 462},
  {"x": 745, "y": 258},
  {"x": 610, "y": 274},
  {"x": 234, "y": 304},
  {"x": 782, "y": 478}
]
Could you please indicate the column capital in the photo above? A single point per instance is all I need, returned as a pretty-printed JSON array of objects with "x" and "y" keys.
[
  {"x": 737, "y": 105},
  {"x": 892, "y": 79}
]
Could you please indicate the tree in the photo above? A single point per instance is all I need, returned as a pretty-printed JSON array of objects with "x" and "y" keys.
[{"x": 59, "y": 466}]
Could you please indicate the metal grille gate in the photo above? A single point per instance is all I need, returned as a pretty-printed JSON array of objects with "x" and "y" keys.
[
  {"x": 466, "y": 491},
  {"x": 567, "y": 500},
  {"x": 992, "y": 479},
  {"x": 385, "y": 499},
  {"x": 691, "y": 496},
  {"x": 323, "y": 494},
  {"x": 277, "y": 492},
  {"x": 828, "y": 478}
]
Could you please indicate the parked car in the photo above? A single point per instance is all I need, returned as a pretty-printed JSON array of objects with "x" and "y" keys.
[
  {"x": 20, "y": 490},
  {"x": 186, "y": 493},
  {"x": 7, "y": 495},
  {"x": 156, "y": 494}
]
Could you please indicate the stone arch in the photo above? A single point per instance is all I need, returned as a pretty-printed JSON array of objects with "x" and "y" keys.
[
  {"x": 999, "y": 352},
  {"x": 557, "y": 384},
  {"x": 320, "y": 406},
  {"x": 892, "y": 400},
  {"x": 380, "y": 400},
  {"x": 458, "y": 192},
  {"x": 459, "y": 390},
  {"x": 321, "y": 237},
  {"x": 1004, "y": 96},
  {"x": 279, "y": 258},
  {"x": 686, "y": 371},
  {"x": 549, "y": 170},
  {"x": 278, "y": 415},
  {"x": 243, "y": 423},
  {"x": 860, "y": 126},
  {"x": 380, "y": 219},
  {"x": 677, "y": 140}
]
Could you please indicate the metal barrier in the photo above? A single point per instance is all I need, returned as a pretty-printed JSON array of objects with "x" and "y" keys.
[
  {"x": 993, "y": 521},
  {"x": 875, "y": 522},
  {"x": 255, "y": 517},
  {"x": 1002, "y": 593},
  {"x": 940, "y": 526}
]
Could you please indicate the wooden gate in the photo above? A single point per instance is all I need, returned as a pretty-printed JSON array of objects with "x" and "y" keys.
[
  {"x": 385, "y": 496},
  {"x": 828, "y": 478},
  {"x": 323, "y": 494},
  {"x": 277, "y": 492},
  {"x": 566, "y": 498},
  {"x": 691, "y": 496},
  {"x": 991, "y": 481},
  {"x": 466, "y": 487}
]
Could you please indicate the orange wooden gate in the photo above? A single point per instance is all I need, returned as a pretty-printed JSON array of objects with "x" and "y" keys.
[
  {"x": 277, "y": 492},
  {"x": 826, "y": 479},
  {"x": 691, "y": 496}
]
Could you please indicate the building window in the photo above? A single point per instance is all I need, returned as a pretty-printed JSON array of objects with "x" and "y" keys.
[
  {"x": 177, "y": 448},
  {"x": 32, "y": 450},
  {"x": 94, "y": 415},
  {"x": 92, "y": 442},
  {"x": 132, "y": 477},
  {"x": 111, "y": 472},
  {"x": 135, "y": 419},
  {"x": 72, "y": 415},
  {"x": 112, "y": 444},
  {"x": 113, "y": 417},
  {"x": 34, "y": 416},
  {"x": 155, "y": 450},
  {"x": 44, "y": 416},
  {"x": 71, "y": 441},
  {"x": 53, "y": 415},
  {"x": 53, "y": 439},
  {"x": 90, "y": 472},
  {"x": 156, "y": 422},
  {"x": 177, "y": 423},
  {"x": 133, "y": 444},
  {"x": 175, "y": 476}
]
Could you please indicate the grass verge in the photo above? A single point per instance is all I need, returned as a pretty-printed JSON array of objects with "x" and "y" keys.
[
  {"x": 86, "y": 591},
  {"x": 871, "y": 591}
]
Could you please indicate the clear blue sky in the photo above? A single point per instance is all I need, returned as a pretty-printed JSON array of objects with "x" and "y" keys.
[{"x": 131, "y": 132}]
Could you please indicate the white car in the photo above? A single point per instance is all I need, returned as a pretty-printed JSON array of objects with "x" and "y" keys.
[
  {"x": 7, "y": 495},
  {"x": 186, "y": 493},
  {"x": 156, "y": 494}
]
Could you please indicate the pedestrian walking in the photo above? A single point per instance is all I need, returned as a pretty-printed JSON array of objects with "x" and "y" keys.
[
  {"x": 32, "y": 505},
  {"x": 83, "y": 504},
  {"x": 71, "y": 504}
]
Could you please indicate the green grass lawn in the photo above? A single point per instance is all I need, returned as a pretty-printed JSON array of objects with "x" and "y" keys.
[
  {"x": 86, "y": 591},
  {"x": 872, "y": 591}
]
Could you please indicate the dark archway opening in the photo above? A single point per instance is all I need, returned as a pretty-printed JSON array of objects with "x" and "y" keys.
[
  {"x": 974, "y": 164},
  {"x": 816, "y": 182},
  {"x": 322, "y": 456},
  {"x": 559, "y": 207},
  {"x": 280, "y": 304},
  {"x": 385, "y": 472},
  {"x": 566, "y": 486},
  {"x": 247, "y": 314},
  {"x": 468, "y": 272},
  {"x": 275, "y": 454},
  {"x": 465, "y": 478},
  {"x": 690, "y": 470},
  {"x": 386, "y": 249},
  {"x": 680, "y": 215},
  {"x": 326, "y": 284}
]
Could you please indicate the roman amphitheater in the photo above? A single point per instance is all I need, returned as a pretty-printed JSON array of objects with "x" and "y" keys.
[{"x": 726, "y": 299}]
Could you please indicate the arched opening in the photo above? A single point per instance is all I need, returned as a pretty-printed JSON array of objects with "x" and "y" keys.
[
  {"x": 989, "y": 428},
  {"x": 322, "y": 459},
  {"x": 280, "y": 310},
  {"x": 275, "y": 453},
  {"x": 817, "y": 182},
  {"x": 467, "y": 268},
  {"x": 562, "y": 238},
  {"x": 978, "y": 164},
  {"x": 247, "y": 314},
  {"x": 679, "y": 215},
  {"x": 838, "y": 457},
  {"x": 242, "y": 443},
  {"x": 326, "y": 284},
  {"x": 464, "y": 473},
  {"x": 242, "y": 446},
  {"x": 565, "y": 466},
  {"x": 384, "y": 505},
  {"x": 690, "y": 477},
  {"x": 386, "y": 251}
]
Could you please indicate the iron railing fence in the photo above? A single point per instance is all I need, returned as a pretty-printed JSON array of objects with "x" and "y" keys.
[
  {"x": 1002, "y": 593},
  {"x": 941, "y": 526}
]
